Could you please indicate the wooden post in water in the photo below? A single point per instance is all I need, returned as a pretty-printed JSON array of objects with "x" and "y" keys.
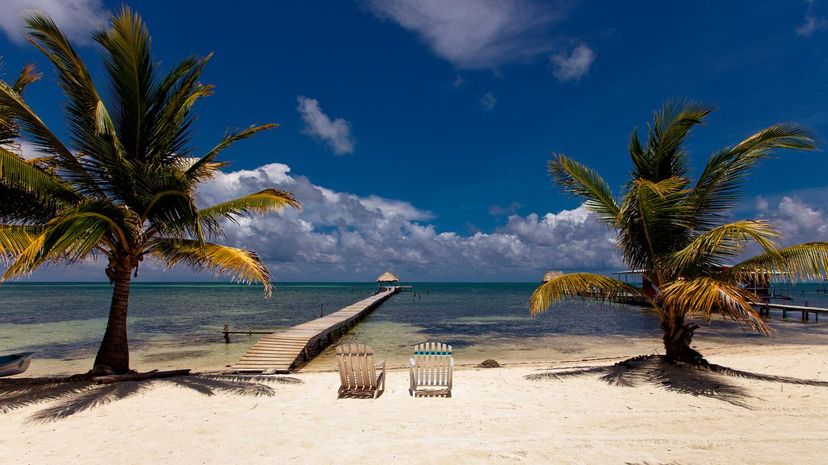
[{"x": 226, "y": 333}]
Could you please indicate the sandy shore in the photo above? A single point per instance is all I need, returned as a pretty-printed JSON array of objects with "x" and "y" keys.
[{"x": 495, "y": 416}]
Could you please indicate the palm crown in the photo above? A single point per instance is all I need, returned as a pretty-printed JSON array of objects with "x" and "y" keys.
[
  {"x": 677, "y": 231},
  {"x": 124, "y": 184}
]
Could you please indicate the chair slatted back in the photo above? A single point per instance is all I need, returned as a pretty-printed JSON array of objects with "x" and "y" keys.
[
  {"x": 356, "y": 366},
  {"x": 433, "y": 364}
]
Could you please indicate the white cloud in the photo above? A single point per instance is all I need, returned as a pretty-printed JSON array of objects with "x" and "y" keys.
[
  {"x": 24, "y": 149},
  {"x": 573, "y": 66},
  {"x": 797, "y": 220},
  {"x": 475, "y": 34},
  {"x": 336, "y": 133},
  {"x": 811, "y": 22},
  {"x": 76, "y": 18},
  {"x": 488, "y": 101},
  {"x": 342, "y": 236},
  {"x": 396, "y": 207},
  {"x": 338, "y": 235}
]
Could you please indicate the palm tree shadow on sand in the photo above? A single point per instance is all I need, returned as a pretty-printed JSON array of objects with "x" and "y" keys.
[
  {"x": 710, "y": 380},
  {"x": 71, "y": 396}
]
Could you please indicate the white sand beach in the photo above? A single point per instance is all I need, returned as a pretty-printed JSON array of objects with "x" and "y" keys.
[
  {"x": 495, "y": 416},
  {"x": 662, "y": 309}
]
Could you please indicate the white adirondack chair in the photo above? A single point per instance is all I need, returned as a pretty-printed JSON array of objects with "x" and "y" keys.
[
  {"x": 358, "y": 372},
  {"x": 431, "y": 369}
]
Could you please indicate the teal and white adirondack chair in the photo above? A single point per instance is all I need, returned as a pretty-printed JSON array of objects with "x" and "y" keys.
[{"x": 431, "y": 369}]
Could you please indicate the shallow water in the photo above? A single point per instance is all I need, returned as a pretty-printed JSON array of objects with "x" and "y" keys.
[{"x": 179, "y": 324}]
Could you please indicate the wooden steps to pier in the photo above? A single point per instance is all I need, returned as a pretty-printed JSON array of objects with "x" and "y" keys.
[{"x": 280, "y": 351}]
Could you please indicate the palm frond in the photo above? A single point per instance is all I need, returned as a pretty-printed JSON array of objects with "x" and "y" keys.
[
  {"x": 172, "y": 212},
  {"x": 28, "y": 75},
  {"x": 652, "y": 222},
  {"x": 171, "y": 111},
  {"x": 15, "y": 108},
  {"x": 9, "y": 130},
  {"x": 20, "y": 207},
  {"x": 711, "y": 248},
  {"x": 94, "y": 137},
  {"x": 15, "y": 172},
  {"x": 264, "y": 201},
  {"x": 132, "y": 77},
  {"x": 580, "y": 285},
  {"x": 72, "y": 236},
  {"x": 664, "y": 157},
  {"x": 15, "y": 239},
  {"x": 704, "y": 296},
  {"x": 807, "y": 261},
  {"x": 240, "y": 265},
  {"x": 718, "y": 187},
  {"x": 205, "y": 167},
  {"x": 585, "y": 182}
]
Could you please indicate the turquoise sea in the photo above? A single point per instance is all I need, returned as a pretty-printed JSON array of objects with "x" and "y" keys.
[{"x": 179, "y": 324}]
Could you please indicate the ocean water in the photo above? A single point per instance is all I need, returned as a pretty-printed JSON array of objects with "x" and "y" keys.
[{"x": 179, "y": 324}]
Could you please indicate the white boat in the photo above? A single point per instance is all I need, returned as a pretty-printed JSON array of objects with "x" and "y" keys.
[{"x": 14, "y": 364}]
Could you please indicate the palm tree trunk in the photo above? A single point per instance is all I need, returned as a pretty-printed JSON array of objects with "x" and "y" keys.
[
  {"x": 114, "y": 351},
  {"x": 678, "y": 334}
]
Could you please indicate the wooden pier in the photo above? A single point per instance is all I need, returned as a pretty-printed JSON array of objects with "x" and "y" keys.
[
  {"x": 280, "y": 351},
  {"x": 764, "y": 308}
]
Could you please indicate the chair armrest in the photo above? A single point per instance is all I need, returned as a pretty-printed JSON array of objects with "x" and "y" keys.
[{"x": 381, "y": 378}]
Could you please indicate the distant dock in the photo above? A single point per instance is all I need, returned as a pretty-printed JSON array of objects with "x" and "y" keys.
[
  {"x": 764, "y": 308},
  {"x": 281, "y": 351}
]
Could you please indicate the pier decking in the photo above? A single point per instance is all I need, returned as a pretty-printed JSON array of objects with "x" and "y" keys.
[
  {"x": 765, "y": 307},
  {"x": 280, "y": 351}
]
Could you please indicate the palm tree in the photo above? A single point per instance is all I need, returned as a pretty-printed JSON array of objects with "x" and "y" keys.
[
  {"x": 123, "y": 186},
  {"x": 678, "y": 233}
]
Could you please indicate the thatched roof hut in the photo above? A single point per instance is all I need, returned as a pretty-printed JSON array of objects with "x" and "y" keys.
[
  {"x": 387, "y": 277},
  {"x": 550, "y": 275}
]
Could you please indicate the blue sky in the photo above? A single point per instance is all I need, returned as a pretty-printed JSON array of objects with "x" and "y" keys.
[{"x": 418, "y": 132}]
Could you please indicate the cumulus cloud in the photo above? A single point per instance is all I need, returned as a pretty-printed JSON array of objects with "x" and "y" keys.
[
  {"x": 797, "y": 220},
  {"x": 475, "y": 34},
  {"x": 811, "y": 22},
  {"x": 76, "y": 18},
  {"x": 574, "y": 65},
  {"x": 488, "y": 101},
  {"x": 341, "y": 236},
  {"x": 334, "y": 132}
]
